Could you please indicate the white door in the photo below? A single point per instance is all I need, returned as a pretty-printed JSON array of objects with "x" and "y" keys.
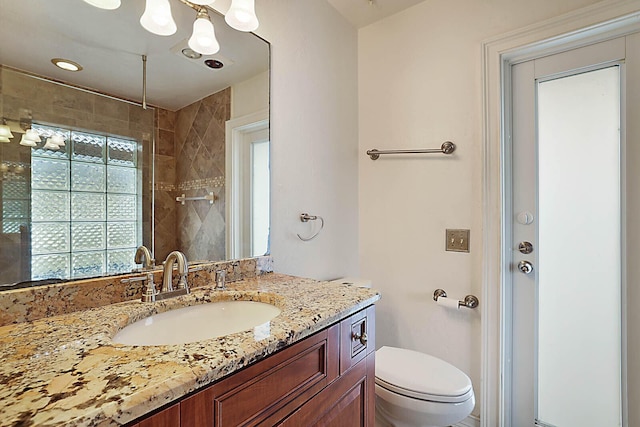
[
  {"x": 255, "y": 213},
  {"x": 247, "y": 185},
  {"x": 568, "y": 221}
]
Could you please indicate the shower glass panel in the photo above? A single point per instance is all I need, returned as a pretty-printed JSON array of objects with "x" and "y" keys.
[{"x": 579, "y": 273}]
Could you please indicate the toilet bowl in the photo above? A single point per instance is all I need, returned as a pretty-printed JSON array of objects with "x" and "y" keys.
[{"x": 414, "y": 389}]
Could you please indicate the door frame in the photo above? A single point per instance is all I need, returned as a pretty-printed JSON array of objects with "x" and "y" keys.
[
  {"x": 235, "y": 131},
  {"x": 600, "y": 22}
]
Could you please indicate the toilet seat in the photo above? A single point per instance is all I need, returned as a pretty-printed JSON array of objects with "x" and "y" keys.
[{"x": 421, "y": 376}]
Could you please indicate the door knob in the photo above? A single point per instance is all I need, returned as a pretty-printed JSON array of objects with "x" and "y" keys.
[
  {"x": 525, "y": 267},
  {"x": 525, "y": 247}
]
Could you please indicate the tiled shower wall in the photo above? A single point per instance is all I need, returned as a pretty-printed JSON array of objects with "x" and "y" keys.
[
  {"x": 23, "y": 95},
  {"x": 190, "y": 157},
  {"x": 165, "y": 185}
]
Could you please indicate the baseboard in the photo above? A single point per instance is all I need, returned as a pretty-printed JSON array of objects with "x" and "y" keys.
[{"x": 470, "y": 421}]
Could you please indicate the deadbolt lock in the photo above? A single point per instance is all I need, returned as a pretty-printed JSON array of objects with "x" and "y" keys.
[{"x": 525, "y": 247}]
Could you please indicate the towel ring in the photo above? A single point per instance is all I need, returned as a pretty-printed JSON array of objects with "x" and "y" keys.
[{"x": 305, "y": 217}]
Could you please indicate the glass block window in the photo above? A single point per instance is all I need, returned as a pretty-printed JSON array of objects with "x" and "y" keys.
[
  {"x": 86, "y": 203},
  {"x": 15, "y": 201}
]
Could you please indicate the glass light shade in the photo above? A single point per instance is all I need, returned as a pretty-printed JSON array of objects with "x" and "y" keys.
[
  {"x": 58, "y": 140},
  {"x": 202, "y": 2},
  {"x": 203, "y": 40},
  {"x": 27, "y": 142},
  {"x": 5, "y": 132},
  {"x": 50, "y": 145},
  {"x": 157, "y": 18},
  {"x": 33, "y": 135},
  {"x": 4, "y": 139},
  {"x": 242, "y": 15},
  {"x": 104, "y": 4}
]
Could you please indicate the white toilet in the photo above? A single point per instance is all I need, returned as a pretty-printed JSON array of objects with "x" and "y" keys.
[{"x": 414, "y": 389}]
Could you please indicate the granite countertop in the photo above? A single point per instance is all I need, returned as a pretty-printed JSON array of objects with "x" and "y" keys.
[{"x": 65, "y": 370}]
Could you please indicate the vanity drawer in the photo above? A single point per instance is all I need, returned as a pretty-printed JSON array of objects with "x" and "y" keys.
[
  {"x": 265, "y": 393},
  {"x": 357, "y": 338}
]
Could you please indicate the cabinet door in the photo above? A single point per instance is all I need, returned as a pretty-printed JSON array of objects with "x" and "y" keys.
[
  {"x": 348, "y": 401},
  {"x": 169, "y": 417}
]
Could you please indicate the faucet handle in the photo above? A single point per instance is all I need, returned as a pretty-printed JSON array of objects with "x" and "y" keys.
[
  {"x": 182, "y": 283},
  {"x": 220, "y": 279},
  {"x": 150, "y": 292}
]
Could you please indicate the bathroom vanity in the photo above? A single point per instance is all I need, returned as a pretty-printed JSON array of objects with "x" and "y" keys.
[
  {"x": 313, "y": 363},
  {"x": 326, "y": 379}
]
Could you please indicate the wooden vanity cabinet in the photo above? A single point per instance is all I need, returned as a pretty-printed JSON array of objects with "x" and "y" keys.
[
  {"x": 326, "y": 379},
  {"x": 169, "y": 417}
]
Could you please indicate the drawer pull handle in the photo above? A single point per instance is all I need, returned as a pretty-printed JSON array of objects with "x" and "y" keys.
[{"x": 361, "y": 337}]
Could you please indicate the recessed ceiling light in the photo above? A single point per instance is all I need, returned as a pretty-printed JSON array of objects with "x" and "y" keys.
[
  {"x": 190, "y": 53},
  {"x": 66, "y": 64},
  {"x": 214, "y": 63}
]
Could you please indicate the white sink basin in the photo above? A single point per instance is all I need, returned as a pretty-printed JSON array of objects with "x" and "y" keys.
[{"x": 199, "y": 322}]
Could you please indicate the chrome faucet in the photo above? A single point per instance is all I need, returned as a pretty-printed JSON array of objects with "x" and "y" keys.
[
  {"x": 143, "y": 256},
  {"x": 183, "y": 269}
]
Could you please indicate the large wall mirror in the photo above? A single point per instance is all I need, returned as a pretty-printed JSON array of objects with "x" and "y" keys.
[{"x": 87, "y": 174}]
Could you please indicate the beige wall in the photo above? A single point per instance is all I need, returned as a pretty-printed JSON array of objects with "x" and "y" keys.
[
  {"x": 190, "y": 160},
  {"x": 250, "y": 96},
  {"x": 420, "y": 84}
]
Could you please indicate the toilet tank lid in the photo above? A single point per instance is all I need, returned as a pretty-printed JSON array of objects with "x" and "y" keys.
[{"x": 420, "y": 374}]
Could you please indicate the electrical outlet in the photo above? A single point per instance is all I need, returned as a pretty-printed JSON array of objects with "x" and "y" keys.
[{"x": 457, "y": 240}]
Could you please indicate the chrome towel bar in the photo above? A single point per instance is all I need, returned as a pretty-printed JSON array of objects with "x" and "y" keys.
[
  {"x": 210, "y": 197},
  {"x": 447, "y": 147}
]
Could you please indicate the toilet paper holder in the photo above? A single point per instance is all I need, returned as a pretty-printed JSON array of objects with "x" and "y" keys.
[{"x": 470, "y": 301}]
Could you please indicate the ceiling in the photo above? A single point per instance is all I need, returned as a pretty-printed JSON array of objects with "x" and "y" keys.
[
  {"x": 361, "y": 13},
  {"x": 109, "y": 44}
]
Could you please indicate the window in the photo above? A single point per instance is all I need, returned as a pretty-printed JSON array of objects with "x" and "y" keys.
[{"x": 85, "y": 205}]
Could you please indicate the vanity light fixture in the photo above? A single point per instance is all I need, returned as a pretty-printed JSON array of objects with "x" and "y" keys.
[
  {"x": 242, "y": 15},
  {"x": 30, "y": 138},
  {"x": 66, "y": 64},
  {"x": 27, "y": 142},
  {"x": 203, "y": 40},
  {"x": 104, "y": 4},
  {"x": 157, "y": 19},
  {"x": 5, "y": 132},
  {"x": 51, "y": 145},
  {"x": 58, "y": 140}
]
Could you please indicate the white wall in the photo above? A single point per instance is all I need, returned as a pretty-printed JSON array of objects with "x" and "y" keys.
[
  {"x": 250, "y": 96},
  {"x": 314, "y": 133},
  {"x": 420, "y": 82}
]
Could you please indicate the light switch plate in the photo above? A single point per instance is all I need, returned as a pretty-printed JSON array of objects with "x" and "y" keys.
[{"x": 457, "y": 240}]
